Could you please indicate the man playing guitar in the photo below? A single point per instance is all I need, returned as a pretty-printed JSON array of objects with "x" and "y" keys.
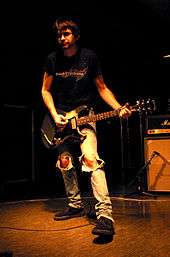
[{"x": 72, "y": 75}]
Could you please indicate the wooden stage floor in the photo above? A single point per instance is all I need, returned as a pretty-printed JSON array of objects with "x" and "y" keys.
[{"x": 27, "y": 229}]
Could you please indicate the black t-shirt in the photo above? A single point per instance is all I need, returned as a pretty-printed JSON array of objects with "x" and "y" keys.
[{"x": 73, "y": 83}]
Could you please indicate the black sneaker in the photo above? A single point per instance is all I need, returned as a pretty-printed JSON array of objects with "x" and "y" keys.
[
  {"x": 69, "y": 213},
  {"x": 104, "y": 227}
]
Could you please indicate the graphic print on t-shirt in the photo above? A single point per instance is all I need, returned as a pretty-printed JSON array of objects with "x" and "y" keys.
[{"x": 77, "y": 74}]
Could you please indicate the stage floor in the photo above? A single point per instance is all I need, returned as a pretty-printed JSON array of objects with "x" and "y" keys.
[{"x": 27, "y": 229}]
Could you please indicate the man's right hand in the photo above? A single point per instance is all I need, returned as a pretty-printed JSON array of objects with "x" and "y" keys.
[{"x": 60, "y": 120}]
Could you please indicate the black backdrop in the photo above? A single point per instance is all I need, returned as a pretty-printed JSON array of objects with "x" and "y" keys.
[{"x": 131, "y": 38}]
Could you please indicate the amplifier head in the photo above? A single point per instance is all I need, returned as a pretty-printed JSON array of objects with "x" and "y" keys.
[{"x": 158, "y": 124}]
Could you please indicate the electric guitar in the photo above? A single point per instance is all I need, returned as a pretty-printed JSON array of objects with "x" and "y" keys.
[{"x": 52, "y": 136}]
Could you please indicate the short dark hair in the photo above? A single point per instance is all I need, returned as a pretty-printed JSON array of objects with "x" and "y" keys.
[{"x": 63, "y": 23}]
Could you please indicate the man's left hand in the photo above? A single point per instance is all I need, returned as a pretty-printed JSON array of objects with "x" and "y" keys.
[{"x": 125, "y": 111}]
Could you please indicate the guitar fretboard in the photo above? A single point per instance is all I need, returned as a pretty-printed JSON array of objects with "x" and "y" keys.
[{"x": 93, "y": 118}]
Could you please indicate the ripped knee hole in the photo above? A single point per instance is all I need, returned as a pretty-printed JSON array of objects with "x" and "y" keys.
[
  {"x": 91, "y": 163},
  {"x": 65, "y": 160}
]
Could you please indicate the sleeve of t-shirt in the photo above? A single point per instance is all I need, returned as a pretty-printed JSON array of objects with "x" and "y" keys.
[
  {"x": 95, "y": 66},
  {"x": 49, "y": 65}
]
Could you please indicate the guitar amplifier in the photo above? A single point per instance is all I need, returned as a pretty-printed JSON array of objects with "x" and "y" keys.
[
  {"x": 157, "y": 155},
  {"x": 158, "y": 125}
]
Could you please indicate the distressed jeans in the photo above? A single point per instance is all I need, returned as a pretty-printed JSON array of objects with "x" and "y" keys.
[{"x": 88, "y": 148}]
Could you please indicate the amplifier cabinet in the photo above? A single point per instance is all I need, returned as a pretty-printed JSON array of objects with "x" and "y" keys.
[{"x": 157, "y": 155}]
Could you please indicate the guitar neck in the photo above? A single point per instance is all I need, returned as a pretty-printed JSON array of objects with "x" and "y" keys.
[{"x": 96, "y": 117}]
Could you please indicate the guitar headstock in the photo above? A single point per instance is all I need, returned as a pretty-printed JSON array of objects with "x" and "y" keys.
[{"x": 147, "y": 106}]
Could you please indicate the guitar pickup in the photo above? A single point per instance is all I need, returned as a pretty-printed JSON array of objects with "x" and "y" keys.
[{"x": 73, "y": 123}]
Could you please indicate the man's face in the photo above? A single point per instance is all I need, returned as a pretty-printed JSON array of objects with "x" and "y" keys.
[{"x": 66, "y": 38}]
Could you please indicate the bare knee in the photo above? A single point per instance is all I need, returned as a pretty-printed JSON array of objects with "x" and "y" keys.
[
  {"x": 64, "y": 161},
  {"x": 90, "y": 162}
]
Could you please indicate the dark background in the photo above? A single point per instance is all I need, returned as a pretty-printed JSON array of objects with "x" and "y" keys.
[{"x": 131, "y": 39}]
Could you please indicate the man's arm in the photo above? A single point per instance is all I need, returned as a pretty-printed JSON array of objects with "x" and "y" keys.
[
  {"x": 48, "y": 100},
  {"x": 108, "y": 96}
]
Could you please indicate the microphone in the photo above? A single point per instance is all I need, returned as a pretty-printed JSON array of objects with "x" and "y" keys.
[{"x": 156, "y": 153}]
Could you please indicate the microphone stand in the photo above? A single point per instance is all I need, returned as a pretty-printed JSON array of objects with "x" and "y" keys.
[
  {"x": 140, "y": 188},
  {"x": 123, "y": 149},
  {"x": 141, "y": 136}
]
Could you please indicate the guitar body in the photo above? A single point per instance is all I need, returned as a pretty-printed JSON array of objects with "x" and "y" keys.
[{"x": 52, "y": 136}]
